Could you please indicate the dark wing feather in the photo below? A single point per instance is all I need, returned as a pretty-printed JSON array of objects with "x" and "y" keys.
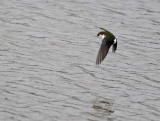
[
  {"x": 103, "y": 51},
  {"x": 102, "y": 28},
  {"x": 114, "y": 47}
]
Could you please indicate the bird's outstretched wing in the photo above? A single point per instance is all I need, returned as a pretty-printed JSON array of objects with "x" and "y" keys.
[
  {"x": 102, "y": 28},
  {"x": 103, "y": 51}
]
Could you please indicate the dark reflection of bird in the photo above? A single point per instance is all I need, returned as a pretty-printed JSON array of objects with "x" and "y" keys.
[{"x": 108, "y": 40}]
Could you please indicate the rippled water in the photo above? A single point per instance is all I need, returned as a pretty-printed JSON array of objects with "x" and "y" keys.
[{"x": 48, "y": 50}]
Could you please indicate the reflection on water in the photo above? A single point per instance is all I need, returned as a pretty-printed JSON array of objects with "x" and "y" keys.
[
  {"x": 103, "y": 109},
  {"x": 103, "y": 106},
  {"x": 47, "y": 61}
]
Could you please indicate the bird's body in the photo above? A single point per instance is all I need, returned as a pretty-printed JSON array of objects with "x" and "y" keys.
[{"x": 108, "y": 40}]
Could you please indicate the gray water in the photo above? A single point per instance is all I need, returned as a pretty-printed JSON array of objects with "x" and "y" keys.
[{"x": 48, "y": 51}]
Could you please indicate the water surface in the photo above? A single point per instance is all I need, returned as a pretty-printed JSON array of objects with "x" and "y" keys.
[{"x": 47, "y": 61}]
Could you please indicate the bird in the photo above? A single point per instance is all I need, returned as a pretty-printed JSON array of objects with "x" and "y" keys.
[{"x": 108, "y": 40}]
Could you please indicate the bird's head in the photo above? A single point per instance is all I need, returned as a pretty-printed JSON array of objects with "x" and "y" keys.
[{"x": 101, "y": 34}]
